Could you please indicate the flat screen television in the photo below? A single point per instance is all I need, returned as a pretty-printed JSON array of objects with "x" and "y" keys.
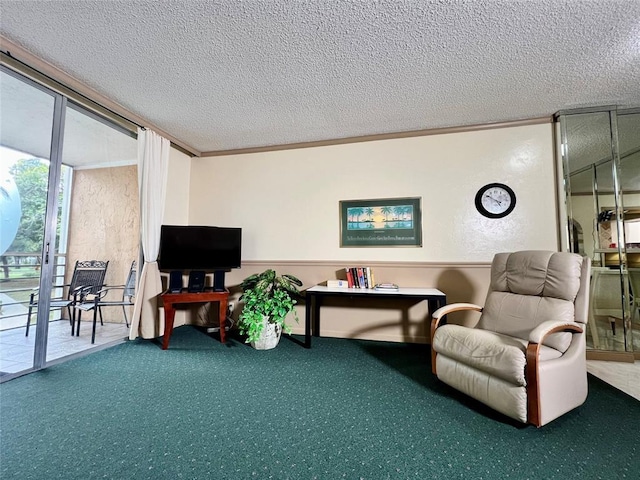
[{"x": 200, "y": 248}]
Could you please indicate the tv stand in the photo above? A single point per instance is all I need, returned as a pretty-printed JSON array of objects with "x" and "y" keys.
[{"x": 170, "y": 299}]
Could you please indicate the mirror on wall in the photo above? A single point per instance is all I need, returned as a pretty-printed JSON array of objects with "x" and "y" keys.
[
  {"x": 629, "y": 147},
  {"x": 601, "y": 172}
]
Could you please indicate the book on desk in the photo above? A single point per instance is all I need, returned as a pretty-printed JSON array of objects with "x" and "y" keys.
[
  {"x": 386, "y": 286},
  {"x": 356, "y": 277},
  {"x": 345, "y": 284}
]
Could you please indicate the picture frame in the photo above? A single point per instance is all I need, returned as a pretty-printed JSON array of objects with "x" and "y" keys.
[{"x": 381, "y": 222}]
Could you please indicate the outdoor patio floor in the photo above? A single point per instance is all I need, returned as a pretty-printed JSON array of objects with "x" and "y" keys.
[{"x": 16, "y": 350}]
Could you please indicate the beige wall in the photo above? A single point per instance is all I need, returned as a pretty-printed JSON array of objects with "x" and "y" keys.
[
  {"x": 287, "y": 201},
  {"x": 401, "y": 321},
  {"x": 104, "y": 223},
  {"x": 176, "y": 212},
  {"x": 104, "y": 217},
  {"x": 176, "y": 209},
  {"x": 287, "y": 205}
]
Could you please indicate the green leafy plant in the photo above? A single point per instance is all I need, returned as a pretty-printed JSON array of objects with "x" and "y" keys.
[{"x": 269, "y": 295}]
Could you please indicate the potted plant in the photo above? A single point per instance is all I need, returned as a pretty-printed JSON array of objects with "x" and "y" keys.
[{"x": 268, "y": 298}]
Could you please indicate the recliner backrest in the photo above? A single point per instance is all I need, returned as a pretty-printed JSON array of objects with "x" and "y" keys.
[{"x": 531, "y": 287}]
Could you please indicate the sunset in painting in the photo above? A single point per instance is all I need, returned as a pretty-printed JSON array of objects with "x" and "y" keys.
[
  {"x": 380, "y": 217},
  {"x": 379, "y": 222}
]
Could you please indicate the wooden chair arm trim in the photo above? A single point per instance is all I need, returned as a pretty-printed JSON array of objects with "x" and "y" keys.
[
  {"x": 538, "y": 334},
  {"x": 434, "y": 325},
  {"x": 440, "y": 313},
  {"x": 533, "y": 391},
  {"x": 455, "y": 307}
]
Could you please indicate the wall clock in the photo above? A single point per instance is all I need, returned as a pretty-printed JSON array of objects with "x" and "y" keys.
[{"x": 495, "y": 200}]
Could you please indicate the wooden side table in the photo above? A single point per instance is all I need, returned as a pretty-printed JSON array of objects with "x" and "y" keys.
[{"x": 170, "y": 299}]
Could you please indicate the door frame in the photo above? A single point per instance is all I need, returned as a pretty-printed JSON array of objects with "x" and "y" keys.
[{"x": 49, "y": 235}]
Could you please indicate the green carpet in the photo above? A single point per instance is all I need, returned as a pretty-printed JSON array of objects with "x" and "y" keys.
[{"x": 344, "y": 409}]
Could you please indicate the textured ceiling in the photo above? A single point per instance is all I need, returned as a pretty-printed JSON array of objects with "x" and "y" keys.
[{"x": 230, "y": 74}]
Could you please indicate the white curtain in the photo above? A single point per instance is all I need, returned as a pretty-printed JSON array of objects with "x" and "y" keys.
[{"x": 153, "y": 160}]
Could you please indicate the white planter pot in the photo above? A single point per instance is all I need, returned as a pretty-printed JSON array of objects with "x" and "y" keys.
[{"x": 270, "y": 336}]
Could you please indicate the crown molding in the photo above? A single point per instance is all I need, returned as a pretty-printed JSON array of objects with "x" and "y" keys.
[{"x": 380, "y": 136}]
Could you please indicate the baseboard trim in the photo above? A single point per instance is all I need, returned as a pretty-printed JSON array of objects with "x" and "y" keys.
[
  {"x": 608, "y": 356},
  {"x": 373, "y": 337}
]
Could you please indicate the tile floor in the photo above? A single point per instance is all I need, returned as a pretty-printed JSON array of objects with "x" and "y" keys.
[
  {"x": 16, "y": 349},
  {"x": 624, "y": 376}
]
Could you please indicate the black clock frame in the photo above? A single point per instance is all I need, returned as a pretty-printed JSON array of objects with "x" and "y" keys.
[{"x": 484, "y": 211}]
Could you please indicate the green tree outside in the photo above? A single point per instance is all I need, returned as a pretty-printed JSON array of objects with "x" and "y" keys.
[{"x": 31, "y": 176}]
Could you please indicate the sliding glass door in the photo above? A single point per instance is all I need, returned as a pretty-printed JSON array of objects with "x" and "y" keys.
[
  {"x": 103, "y": 218},
  {"x": 69, "y": 194},
  {"x": 30, "y": 152}
]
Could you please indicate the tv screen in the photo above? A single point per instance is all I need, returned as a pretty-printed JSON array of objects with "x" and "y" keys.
[{"x": 199, "y": 248}]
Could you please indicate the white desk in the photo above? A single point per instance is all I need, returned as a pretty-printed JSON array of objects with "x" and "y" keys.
[{"x": 315, "y": 295}]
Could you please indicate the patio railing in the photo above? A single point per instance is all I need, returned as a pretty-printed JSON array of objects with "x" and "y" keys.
[{"x": 19, "y": 278}]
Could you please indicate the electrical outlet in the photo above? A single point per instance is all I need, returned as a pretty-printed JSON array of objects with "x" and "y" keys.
[{"x": 230, "y": 308}]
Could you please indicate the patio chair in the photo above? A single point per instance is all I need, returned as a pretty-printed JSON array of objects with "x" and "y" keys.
[
  {"x": 88, "y": 277},
  {"x": 97, "y": 301}
]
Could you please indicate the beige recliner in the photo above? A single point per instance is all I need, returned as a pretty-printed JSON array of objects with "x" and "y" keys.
[{"x": 526, "y": 356}]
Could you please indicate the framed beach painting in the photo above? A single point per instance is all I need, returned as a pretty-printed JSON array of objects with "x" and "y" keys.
[{"x": 381, "y": 222}]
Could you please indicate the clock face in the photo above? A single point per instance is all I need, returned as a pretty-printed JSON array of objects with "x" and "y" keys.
[{"x": 495, "y": 200}]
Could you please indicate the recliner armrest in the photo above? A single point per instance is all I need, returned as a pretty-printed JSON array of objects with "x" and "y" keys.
[
  {"x": 438, "y": 315},
  {"x": 536, "y": 337},
  {"x": 538, "y": 334},
  {"x": 454, "y": 307}
]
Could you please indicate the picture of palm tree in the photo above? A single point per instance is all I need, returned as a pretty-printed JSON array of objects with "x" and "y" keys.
[
  {"x": 369, "y": 211},
  {"x": 380, "y": 217},
  {"x": 381, "y": 222}
]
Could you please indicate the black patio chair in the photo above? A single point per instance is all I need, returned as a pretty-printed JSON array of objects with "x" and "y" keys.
[
  {"x": 97, "y": 301},
  {"x": 88, "y": 277}
]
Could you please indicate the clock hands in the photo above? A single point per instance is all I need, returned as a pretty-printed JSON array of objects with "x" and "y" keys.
[{"x": 495, "y": 200}]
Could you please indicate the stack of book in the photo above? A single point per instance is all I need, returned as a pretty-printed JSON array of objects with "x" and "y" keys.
[{"x": 360, "y": 277}]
